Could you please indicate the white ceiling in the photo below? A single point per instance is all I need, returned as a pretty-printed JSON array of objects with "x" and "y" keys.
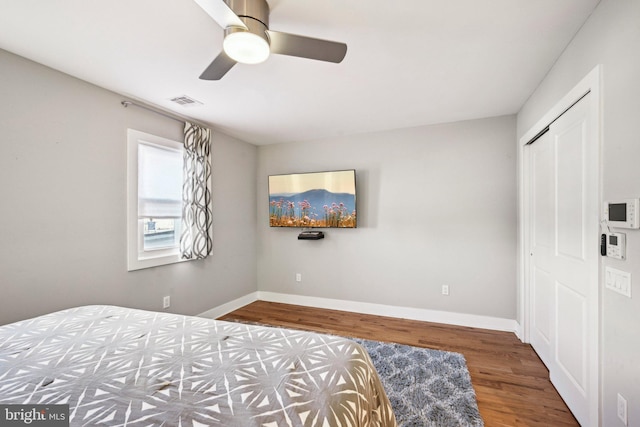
[{"x": 409, "y": 63}]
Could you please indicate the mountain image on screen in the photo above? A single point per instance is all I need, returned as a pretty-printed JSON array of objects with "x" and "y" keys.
[{"x": 312, "y": 208}]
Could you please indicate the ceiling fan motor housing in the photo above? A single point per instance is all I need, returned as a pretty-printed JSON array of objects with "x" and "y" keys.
[{"x": 254, "y": 14}]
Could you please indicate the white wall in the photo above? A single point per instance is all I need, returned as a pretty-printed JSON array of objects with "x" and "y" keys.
[
  {"x": 610, "y": 37},
  {"x": 63, "y": 203},
  {"x": 436, "y": 205}
]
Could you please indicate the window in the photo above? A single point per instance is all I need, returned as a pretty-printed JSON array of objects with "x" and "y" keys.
[{"x": 154, "y": 201}]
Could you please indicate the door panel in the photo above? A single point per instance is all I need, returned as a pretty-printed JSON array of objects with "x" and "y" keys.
[
  {"x": 543, "y": 197},
  {"x": 571, "y": 335},
  {"x": 543, "y": 305},
  {"x": 569, "y": 146}
]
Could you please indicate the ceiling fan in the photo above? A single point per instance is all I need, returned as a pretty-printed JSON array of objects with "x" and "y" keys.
[{"x": 248, "y": 39}]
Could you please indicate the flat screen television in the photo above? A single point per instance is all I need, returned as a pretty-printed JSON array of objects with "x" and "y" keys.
[{"x": 313, "y": 200}]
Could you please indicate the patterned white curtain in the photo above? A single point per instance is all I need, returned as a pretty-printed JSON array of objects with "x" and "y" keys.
[{"x": 195, "y": 240}]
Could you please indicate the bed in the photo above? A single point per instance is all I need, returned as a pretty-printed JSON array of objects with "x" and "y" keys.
[{"x": 117, "y": 366}]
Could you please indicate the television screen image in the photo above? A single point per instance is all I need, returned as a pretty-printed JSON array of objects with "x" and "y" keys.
[{"x": 313, "y": 200}]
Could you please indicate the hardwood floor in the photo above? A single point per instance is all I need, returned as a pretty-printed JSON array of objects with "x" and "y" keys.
[{"x": 511, "y": 383}]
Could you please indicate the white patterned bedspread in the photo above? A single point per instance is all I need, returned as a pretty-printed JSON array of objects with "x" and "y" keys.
[{"x": 123, "y": 367}]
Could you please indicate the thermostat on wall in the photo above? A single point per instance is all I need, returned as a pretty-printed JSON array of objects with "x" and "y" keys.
[
  {"x": 616, "y": 243},
  {"x": 622, "y": 213}
]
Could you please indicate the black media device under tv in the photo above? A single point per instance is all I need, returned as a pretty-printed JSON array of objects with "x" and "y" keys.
[{"x": 311, "y": 235}]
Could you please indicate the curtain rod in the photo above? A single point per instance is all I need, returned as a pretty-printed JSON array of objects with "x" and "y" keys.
[{"x": 176, "y": 117}]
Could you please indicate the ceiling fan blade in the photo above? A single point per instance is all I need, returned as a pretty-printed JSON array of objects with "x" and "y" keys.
[
  {"x": 306, "y": 47},
  {"x": 221, "y": 13},
  {"x": 218, "y": 68}
]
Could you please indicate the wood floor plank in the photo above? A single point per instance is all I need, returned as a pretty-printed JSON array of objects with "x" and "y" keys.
[{"x": 511, "y": 383}]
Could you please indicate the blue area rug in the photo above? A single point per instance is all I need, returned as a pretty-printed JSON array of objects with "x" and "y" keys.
[{"x": 426, "y": 388}]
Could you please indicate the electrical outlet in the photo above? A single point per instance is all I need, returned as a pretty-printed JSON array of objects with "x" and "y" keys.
[
  {"x": 298, "y": 277},
  {"x": 622, "y": 409},
  {"x": 166, "y": 302},
  {"x": 445, "y": 289}
]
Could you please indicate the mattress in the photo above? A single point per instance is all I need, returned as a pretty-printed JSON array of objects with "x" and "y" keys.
[{"x": 125, "y": 367}]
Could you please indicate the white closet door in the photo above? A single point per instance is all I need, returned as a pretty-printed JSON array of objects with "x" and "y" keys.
[{"x": 564, "y": 256}]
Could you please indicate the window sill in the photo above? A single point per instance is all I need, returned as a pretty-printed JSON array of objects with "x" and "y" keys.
[{"x": 138, "y": 263}]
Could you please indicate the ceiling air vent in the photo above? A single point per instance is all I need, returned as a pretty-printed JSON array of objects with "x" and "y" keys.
[{"x": 186, "y": 101}]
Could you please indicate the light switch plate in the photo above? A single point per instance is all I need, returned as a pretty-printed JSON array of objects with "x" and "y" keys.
[{"x": 618, "y": 281}]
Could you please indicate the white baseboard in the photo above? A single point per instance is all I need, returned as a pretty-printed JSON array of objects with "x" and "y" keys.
[
  {"x": 425, "y": 315},
  {"x": 223, "y": 309},
  {"x": 518, "y": 331}
]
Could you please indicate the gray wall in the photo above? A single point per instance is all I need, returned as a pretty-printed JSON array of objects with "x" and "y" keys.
[
  {"x": 436, "y": 205},
  {"x": 610, "y": 37},
  {"x": 63, "y": 195}
]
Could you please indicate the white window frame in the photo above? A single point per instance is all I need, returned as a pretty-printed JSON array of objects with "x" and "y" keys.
[{"x": 137, "y": 257}]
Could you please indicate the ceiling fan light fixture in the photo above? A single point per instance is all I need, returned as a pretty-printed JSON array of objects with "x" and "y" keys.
[
  {"x": 246, "y": 47},
  {"x": 248, "y": 39}
]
